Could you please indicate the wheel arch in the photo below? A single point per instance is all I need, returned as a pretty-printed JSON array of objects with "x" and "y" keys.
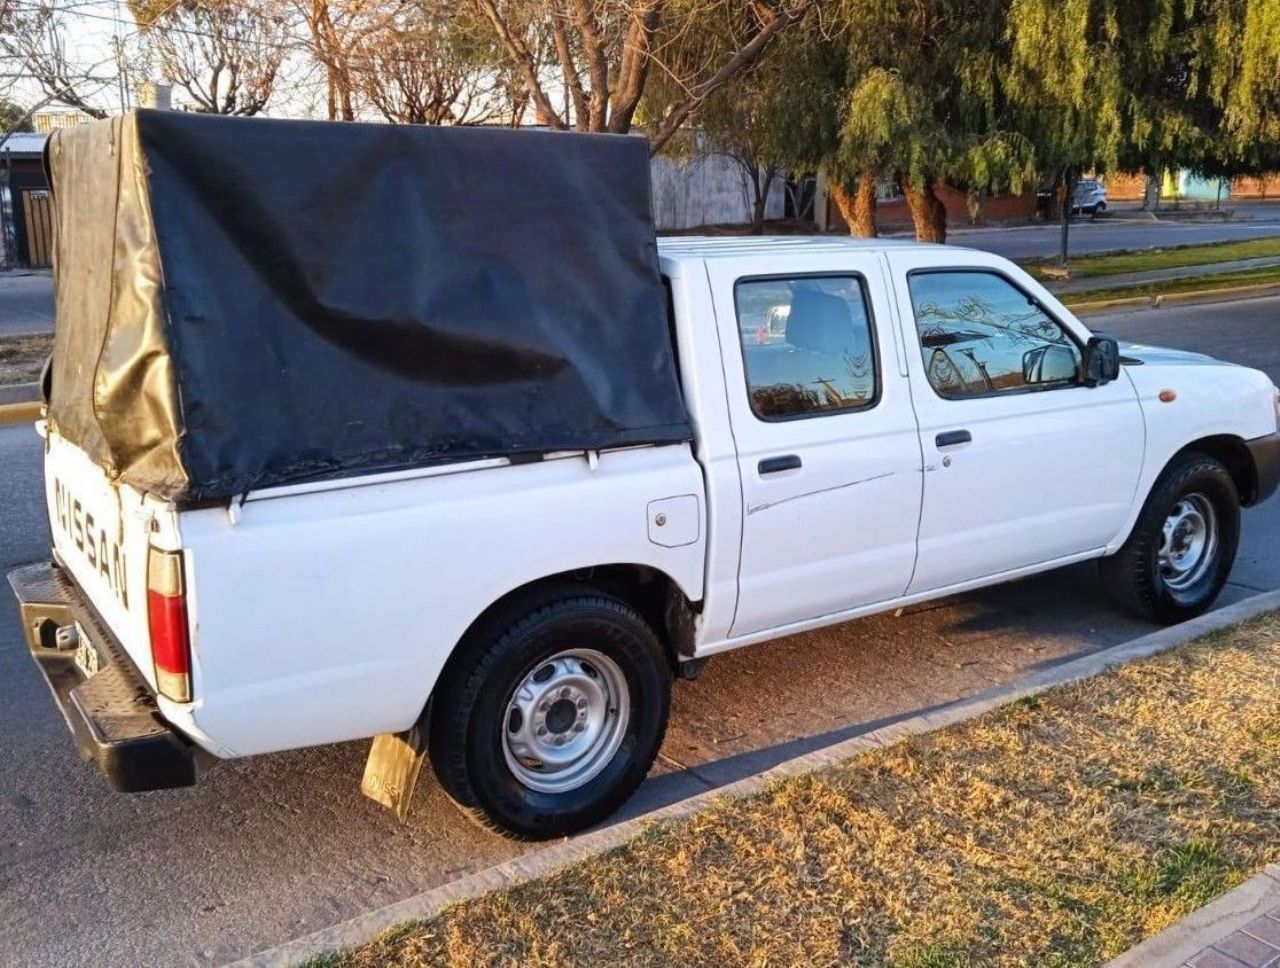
[
  {"x": 1232, "y": 453},
  {"x": 1229, "y": 450},
  {"x": 653, "y": 593}
]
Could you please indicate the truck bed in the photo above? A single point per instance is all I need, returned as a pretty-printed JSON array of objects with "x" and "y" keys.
[{"x": 325, "y": 611}]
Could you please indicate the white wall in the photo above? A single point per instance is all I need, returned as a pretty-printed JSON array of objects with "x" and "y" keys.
[{"x": 706, "y": 190}]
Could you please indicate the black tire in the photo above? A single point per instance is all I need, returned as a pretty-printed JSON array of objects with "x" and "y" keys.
[
  {"x": 470, "y": 710},
  {"x": 1135, "y": 577}
]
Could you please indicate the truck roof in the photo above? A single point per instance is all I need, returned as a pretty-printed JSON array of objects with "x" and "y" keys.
[{"x": 682, "y": 248}]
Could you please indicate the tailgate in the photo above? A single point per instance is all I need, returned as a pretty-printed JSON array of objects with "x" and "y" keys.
[{"x": 101, "y": 533}]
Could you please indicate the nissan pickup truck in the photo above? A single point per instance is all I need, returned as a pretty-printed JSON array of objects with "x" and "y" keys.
[{"x": 871, "y": 424}]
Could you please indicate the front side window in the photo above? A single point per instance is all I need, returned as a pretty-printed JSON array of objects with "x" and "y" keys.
[
  {"x": 806, "y": 345},
  {"x": 980, "y": 334}
]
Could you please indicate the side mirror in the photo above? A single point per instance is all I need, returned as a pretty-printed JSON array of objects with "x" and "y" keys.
[
  {"x": 1051, "y": 363},
  {"x": 1101, "y": 360}
]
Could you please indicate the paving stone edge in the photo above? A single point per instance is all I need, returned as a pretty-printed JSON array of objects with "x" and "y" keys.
[
  {"x": 1182, "y": 941},
  {"x": 550, "y": 859}
]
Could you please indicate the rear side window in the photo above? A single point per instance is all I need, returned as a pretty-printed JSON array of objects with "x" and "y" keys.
[
  {"x": 981, "y": 335},
  {"x": 807, "y": 345}
]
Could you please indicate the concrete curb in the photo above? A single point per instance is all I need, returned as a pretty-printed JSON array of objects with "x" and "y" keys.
[
  {"x": 1180, "y": 942},
  {"x": 549, "y": 860},
  {"x": 17, "y": 413},
  {"x": 1228, "y": 294},
  {"x": 19, "y": 403}
]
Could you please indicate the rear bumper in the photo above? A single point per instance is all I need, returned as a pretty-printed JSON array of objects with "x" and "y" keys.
[
  {"x": 1266, "y": 463},
  {"x": 112, "y": 714}
]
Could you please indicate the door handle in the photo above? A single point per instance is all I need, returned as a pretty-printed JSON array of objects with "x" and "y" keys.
[
  {"x": 772, "y": 465},
  {"x": 953, "y": 437}
]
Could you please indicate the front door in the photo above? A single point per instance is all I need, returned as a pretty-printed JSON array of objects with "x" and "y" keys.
[
  {"x": 827, "y": 446},
  {"x": 1024, "y": 464}
]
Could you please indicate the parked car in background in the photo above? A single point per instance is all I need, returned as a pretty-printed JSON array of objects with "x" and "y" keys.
[{"x": 1090, "y": 199}]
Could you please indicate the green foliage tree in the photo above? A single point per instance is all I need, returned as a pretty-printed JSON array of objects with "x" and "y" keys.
[
  {"x": 14, "y": 117},
  {"x": 925, "y": 104},
  {"x": 1109, "y": 84},
  {"x": 887, "y": 90},
  {"x": 773, "y": 120}
]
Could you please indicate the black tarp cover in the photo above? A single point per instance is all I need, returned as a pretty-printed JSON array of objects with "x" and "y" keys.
[{"x": 242, "y": 303}]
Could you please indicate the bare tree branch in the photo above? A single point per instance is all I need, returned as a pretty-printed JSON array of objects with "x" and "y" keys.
[
  {"x": 524, "y": 60},
  {"x": 225, "y": 55},
  {"x": 33, "y": 36},
  {"x": 606, "y": 50}
]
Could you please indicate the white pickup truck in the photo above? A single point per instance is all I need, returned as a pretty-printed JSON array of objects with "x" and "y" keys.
[
  {"x": 459, "y": 483},
  {"x": 877, "y": 424}
]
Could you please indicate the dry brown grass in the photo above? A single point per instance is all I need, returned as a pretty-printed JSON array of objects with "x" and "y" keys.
[
  {"x": 21, "y": 357},
  {"x": 1059, "y": 830}
]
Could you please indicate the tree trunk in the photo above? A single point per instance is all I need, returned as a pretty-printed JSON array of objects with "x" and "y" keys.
[
  {"x": 857, "y": 206},
  {"x": 865, "y": 221},
  {"x": 1069, "y": 179},
  {"x": 1151, "y": 191},
  {"x": 843, "y": 198},
  {"x": 763, "y": 182},
  {"x": 928, "y": 214}
]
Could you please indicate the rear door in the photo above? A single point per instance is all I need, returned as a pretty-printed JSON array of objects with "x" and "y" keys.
[
  {"x": 1024, "y": 465},
  {"x": 826, "y": 439}
]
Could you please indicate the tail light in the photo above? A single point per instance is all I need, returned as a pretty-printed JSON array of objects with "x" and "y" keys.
[{"x": 167, "y": 617}]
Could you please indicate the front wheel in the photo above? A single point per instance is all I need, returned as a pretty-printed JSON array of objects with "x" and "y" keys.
[
  {"x": 551, "y": 714},
  {"x": 1182, "y": 547}
]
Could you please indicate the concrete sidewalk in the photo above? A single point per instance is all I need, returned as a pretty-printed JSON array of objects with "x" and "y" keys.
[{"x": 1125, "y": 280}]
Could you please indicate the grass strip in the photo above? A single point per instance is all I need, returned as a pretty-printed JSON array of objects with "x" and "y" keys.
[
  {"x": 21, "y": 357},
  {"x": 1223, "y": 280},
  {"x": 1058, "y": 831},
  {"x": 1143, "y": 260}
]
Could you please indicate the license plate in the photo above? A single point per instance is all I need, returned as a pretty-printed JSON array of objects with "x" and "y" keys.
[{"x": 86, "y": 657}]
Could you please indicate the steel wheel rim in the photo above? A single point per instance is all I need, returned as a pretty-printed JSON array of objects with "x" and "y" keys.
[
  {"x": 1188, "y": 543},
  {"x": 565, "y": 720}
]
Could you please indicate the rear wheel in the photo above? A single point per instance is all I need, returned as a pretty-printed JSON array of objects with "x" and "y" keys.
[
  {"x": 1182, "y": 547},
  {"x": 551, "y": 714}
]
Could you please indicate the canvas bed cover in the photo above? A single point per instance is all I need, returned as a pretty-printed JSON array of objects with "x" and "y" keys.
[{"x": 243, "y": 303}]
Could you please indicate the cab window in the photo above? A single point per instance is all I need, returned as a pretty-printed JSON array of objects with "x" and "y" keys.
[
  {"x": 982, "y": 335},
  {"x": 807, "y": 345}
]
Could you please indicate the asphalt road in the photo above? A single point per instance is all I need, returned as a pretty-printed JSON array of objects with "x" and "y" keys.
[
  {"x": 26, "y": 303},
  {"x": 26, "y": 300},
  {"x": 274, "y": 847},
  {"x": 1123, "y": 228}
]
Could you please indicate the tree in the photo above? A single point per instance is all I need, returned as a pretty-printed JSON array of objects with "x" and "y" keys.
[
  {"x": 432, "y": 64},
  {"x": 759, "y": 121},
  {"x": 876, "y": 91},
  {"x": 34, "y": 37},
  {"x": 338, "y": 30},
  {"x": 604, "y": 52},
  {"x": 14, "y": 117},
  {"x": 925, "y": 104},
  {"x": 1106, "y": 84},
  {"x": 225, "y": 54}
]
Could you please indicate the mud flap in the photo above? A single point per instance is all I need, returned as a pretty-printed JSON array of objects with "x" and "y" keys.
[{"x": 391, "y": 772}]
